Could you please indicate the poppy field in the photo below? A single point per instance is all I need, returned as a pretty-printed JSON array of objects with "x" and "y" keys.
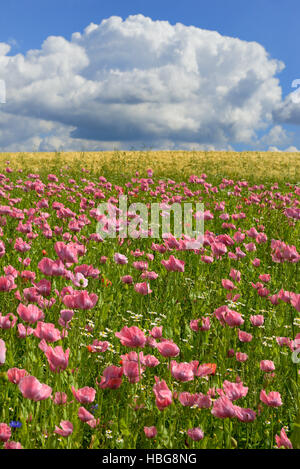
[{"x": 149, "y": 342}]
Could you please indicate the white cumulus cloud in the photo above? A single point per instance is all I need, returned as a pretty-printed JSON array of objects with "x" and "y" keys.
[{"x": 138, "y": 81}]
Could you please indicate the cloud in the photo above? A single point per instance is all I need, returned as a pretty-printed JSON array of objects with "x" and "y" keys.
[
  {"x": 139, "y": 81},
  {"x": 291, "y": 149},
  {"x": 288, "y": 111},
  {"x": 276, "y": 136}
]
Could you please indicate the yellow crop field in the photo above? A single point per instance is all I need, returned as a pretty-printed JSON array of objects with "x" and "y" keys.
[{"x": 260, "y": 166}]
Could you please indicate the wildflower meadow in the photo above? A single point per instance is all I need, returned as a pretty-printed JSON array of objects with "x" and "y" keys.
[{"x": 111, "y": 337}]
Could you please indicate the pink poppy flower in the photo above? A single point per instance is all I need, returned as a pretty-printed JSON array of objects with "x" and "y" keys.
[
  {"x": 21, "y": 246},
  {"x": 281, "y": 341},
  {"x": 66, "y": 252},
  {"x": 156, "y": 332},
  {"x": 267, "y": 366},
  {"x": 196, "y": 433},
  {"x": 66, "y": 428},
  {"x": 295, "y": 344},
  {"x": 2, "y": 249},
  {"x": 15, "y": 375},
  {"x": 233, "y": 318},
  {"x": 149, "y": 275},
  {"x": 65, "y": 317},
  {"x": 207, "y": 259},
  {"x": 205, "y": 324},
  {"x": 7, "y": 283},
  {"x": 241, "y": 357},
  {"x": 60, "y": 398},
  {"x": 87, "y": 270},
  {"x": 5, "y": 432},
  {"x": 151, "y": 342},
  {"x": 244, "y": 336},
  {"x": 58, "y": 359},
  {"x": 31, "y": 294},
  {"x": 205, "y": 369},
  {"x": 24, "y": 331},
  {"x": 284, "y": 295},
  {"x": 31, "y": 388},
  {"x": 2, "y": 352},
  {"x": 79, "y": 280},
  {"x": 223, "y": 408},
  {"x": 235, "y": 275},
  {"x": 84, "y": 395},
  {"x": 234, "y": 391},
  {"x": 250, "y": 247},
  {"x": 93, "y": 423},
  {"x": 142, "y": 288},
  {"x": 43, "y": 287},
  {"x": 52, "y": 268},
  {"x": 202, "y": 401},
  {"x": 182, "y": 371},
  {"x": 234, "y": 298},
  {"x": 131, "y": 371},
  {"x": 8, "y": 321},
  {"x": 28, "y": 275},
  {"x": 80, "y": 300},
  {"x": 282, "y": 440},
  {"x": 131, "y": 337},
  {"x": 112, "y": 377},
  {"x": 168, "y": 348},
  {"x": 30, "y": 313},
  {"x": 228, "y": 284},
  {"x": 150, "y": 361},
  {"x": 252, "y": 233},
  {"x": 162, "y": 393},
  {"x": 263, "y": 292},
  {"x": 273, "y": 399},
  {"x": 127, "y": 279},
  {"x": 257, "y": 320},
  {"x": 261, "y": 238},
  {"x": 150, "y": 432},
  {"x": 120, "y": 258},
  {"x": 218, "y": 249},
  {"x": 173, "y": 264},
  {"x": 187, "y": 399},
  {"x": 256, "y": 262},
  {"x": 12, "y": 445},
  {"x": 47, "y": 331},
  {"x": 282, "y": 252},
  {"x": 140, "y": 265},
  {"x": 244, "y": 415},
  {"x": 84, "y": 415},
  {"x": 239, "y": 253},
  {"x": 150, "y": 256},
  {"x": 295, "y": 301},
  {"x": 98, "y": 346},
  {"x": 264, "y": 277}
]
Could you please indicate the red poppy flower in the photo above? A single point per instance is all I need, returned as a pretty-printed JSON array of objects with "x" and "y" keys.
[{"x": 213, "y": 367}]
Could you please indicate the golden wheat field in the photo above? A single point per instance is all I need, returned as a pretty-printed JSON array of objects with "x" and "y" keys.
[{"x": 258, "y": 166}]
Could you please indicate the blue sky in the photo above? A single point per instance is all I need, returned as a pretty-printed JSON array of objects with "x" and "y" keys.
[{"x": 273, "y": 24}]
